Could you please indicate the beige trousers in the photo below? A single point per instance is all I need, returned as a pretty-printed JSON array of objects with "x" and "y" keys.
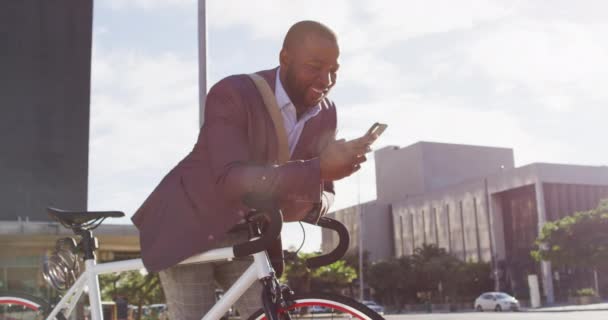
[{"x": 190, "y": 289}]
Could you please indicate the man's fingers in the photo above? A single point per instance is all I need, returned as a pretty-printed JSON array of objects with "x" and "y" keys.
[
  {"x": 359, "y": 151},
  {"x": 359, "y": 159},
  {"x": 362, "y": 145},
  {"x": 367, "y": 139}
]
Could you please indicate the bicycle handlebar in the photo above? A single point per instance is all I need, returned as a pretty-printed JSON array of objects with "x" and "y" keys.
[
  {"x": 272, "y": 232},
  {"x": 339, "y": 251},
  {"x": 267, "y": 206}
]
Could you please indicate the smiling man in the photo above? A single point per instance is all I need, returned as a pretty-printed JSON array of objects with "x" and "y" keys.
[{"x": 198, "y": 205}]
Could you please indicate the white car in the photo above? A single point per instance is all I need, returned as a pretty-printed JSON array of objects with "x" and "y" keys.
[
  {"x": 497, "y": 301},
  {"x": 318, "y": 309},
  {"x": 374, "y": 306}
]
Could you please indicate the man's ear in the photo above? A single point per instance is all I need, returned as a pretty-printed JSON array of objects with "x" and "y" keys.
[{"x": 284, "y": 57}]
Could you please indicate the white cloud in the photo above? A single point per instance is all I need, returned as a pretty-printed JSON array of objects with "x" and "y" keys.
[
  {"x": 396, "y": 21},
  {"x": 561, "y": 62},
  {"x": 420, "y": 118},
  {"x": 144, "y": 119},
  {"x": 147, "y": 4},
  {"x": 272, "y": 18},
  {"x": 513, "y": 74},
  {"x": 369, "y": 25}
]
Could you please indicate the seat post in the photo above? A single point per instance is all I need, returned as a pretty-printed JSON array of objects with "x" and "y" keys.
[{"x": 88, "y": 243}]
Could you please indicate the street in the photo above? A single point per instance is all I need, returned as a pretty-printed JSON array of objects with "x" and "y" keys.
[{"x": 587, "y": 315}]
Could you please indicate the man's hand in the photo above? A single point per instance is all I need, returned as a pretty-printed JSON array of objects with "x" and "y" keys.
[
  {"x": 342, "y": 158},
  {"x": 295, "y": 210}
]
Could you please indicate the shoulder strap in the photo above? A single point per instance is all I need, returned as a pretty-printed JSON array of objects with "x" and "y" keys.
[{"x": 272, "y": 107}]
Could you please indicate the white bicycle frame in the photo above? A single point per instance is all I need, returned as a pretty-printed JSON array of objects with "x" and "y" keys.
[{"x": 260, "y": 268}]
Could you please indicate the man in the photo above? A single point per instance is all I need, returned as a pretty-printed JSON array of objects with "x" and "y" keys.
[
  {"x": 237, "y": 152},
  {"x": 122, "y": 308}
]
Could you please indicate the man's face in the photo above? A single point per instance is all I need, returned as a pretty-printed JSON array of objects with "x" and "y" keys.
[{"x": 309, "y": 70}]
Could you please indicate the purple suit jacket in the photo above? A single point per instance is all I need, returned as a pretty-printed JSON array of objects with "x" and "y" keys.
[{"x": 199, "y": 200}]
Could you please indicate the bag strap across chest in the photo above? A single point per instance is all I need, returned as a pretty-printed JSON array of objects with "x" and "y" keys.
[{"x": 272, "y": 107}]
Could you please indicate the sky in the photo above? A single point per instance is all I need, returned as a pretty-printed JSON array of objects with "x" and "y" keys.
[{"x": 528, "y": 75}]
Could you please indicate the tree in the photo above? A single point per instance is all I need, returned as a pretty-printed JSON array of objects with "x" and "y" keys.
[
  {"x": 333, "y": 277},
  {"x": 138, "y": 288},
  {"x": 296, "y": 273},
  {"x": 431, "y": 273},
  {"x": 471, "y": 279},
  {"x": 352, "y": 259},
  {"x": 393, "y": 281},
  {"x": 435, "y": 270},
  {"x": 578, "y": 240},
  {"x": 330, "y": 278}
]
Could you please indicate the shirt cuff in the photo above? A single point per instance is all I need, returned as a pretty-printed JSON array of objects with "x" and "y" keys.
[{"x": 313, "y": 215}]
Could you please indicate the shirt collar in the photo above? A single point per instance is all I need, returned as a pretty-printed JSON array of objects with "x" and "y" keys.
[
  {"x": 280, "y": 93},
  {"x": 284, "y": 101}
]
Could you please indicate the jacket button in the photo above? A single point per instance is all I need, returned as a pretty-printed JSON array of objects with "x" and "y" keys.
[
  {"x": 241, "y": 213},
  {"x": 211, "y": 237},
  {"x": 263, "y": 177}
]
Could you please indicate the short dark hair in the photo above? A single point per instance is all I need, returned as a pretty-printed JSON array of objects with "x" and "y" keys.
[{"x": 298, "y": 32}]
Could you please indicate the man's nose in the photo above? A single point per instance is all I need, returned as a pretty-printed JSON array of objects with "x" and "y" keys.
[{"x": 326, "y": 79}]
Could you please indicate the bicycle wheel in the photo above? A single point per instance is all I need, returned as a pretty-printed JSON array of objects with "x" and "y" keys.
[
  {"x": 322, "y": 306},
  {"x": 20, "y": 306}
]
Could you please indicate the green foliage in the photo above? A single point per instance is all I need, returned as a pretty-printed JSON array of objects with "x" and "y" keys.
[
  {"x": 433, "y": 265},
  {"x": 352, "y": 259},
  {"x": 139, "y": 289},
  {"x": 471, "y": 279},
  {"x": 577, "y": 240},
  {"x": 331, "y": 278},
  {"x": 585, "y": 292},
  {"x": 429, "y": 274},
  {"x": 393, "y": 280}
]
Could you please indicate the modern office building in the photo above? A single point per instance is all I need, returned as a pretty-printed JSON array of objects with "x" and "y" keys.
[
  {"x": 45, "y": 65},
  {"x": 475, "y": 203}
]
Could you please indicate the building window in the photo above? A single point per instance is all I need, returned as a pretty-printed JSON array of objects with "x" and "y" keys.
[
  {"x": 411, "y": 215},
  {"x": 449, "y": 227},
  {"x": 423, "y": 228},
  {"x": 477, "y": 230},
  {"x": 435, "y": 225},
  {"x": 402, "y": 231},
  {"x": 462, "y": 228}
]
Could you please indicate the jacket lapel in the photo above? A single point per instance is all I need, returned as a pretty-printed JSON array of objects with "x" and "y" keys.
[{"x": 302, "y": 149}]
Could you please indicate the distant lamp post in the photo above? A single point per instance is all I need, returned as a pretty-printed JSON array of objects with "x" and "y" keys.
[
  {"x": 202, "y": 59},
  {"x": 360, "y": 245},
  {"x": 493, "y": 257}
]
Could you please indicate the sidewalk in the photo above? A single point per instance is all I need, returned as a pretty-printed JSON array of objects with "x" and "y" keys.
[{"x": 571, "y": 308}]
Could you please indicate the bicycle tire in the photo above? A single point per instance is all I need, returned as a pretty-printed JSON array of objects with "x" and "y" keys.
[
  {"x": 336, "y": 306},
  {"x": 22, "y": 306}
]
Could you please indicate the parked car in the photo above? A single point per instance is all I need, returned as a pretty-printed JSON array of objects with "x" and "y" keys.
[
  {"x": 318, "y": 309},
  {"x": 374, "y": 306},
  {"x": 156, "y": 311},
  {"x": 497, "y": 301}
]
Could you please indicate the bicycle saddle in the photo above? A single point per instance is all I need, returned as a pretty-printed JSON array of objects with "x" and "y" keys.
[{"x": 79, "y": 218}]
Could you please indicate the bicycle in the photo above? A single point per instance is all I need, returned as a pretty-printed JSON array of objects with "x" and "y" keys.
[{"x": 278, "y": 300}]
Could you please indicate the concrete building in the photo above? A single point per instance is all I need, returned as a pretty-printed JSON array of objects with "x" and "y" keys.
[
  {"x": 44, "y": 94},
  {"x": 44, "y": 123},
  {"x": 473, "y": 202}
]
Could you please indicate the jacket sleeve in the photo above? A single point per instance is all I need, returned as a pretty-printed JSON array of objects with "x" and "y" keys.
[
  {"x": 328, "y": 194},
  {"x": 225, "y": 134}
]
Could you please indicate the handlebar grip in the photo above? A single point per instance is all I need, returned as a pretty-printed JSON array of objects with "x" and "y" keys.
[
  {"x": 339, "y": 251},
  {"x": 268, "y": 207}
]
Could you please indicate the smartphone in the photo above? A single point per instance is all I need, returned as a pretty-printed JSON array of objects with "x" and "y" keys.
[{"x": 377, "y": 128}]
